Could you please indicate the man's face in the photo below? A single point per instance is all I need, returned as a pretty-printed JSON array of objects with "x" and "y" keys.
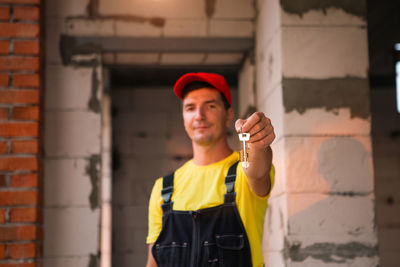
[{"x": 205, "y": 117}]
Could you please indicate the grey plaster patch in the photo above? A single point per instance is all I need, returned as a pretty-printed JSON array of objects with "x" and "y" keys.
[
  {"x": 93, "y": 262},
  {"x": 285, "y": 252},
  {"x": 69, "y": 48},
  {"x": 330, "y": 252},
  {"x": 210, "y": 7},
  {"x": 330, "y": 94},
  {"x": 157, "y": 21},
  {"x": 349, "y": 194},
  {"x": 345, "y": 164},
  {"x": 300, "y": 7},
  {"x": 269, "y": 216},
  {"x": 92, "y": 170},
  {"x": 93, "y": 15},
  {"x": 94, "y": 102},
  {"x": 92, "y": 8}
]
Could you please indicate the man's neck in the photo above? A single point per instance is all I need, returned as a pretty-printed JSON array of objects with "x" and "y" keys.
[{"x": 205, "y": 155}]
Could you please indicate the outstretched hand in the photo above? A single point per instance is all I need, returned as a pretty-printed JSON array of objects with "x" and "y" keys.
[{"x": 260, "y": 128}]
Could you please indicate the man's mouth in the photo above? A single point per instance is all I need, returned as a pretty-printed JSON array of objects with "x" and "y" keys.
[{"x": 201, "y": 127}]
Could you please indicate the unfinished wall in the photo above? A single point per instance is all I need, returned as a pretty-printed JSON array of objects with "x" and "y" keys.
[
  {"x": 21, "y": 133},
  {"x": 72, "y": 147},
  {"x": 73, "y": 142},
  {"x": 311, "y": 73}
]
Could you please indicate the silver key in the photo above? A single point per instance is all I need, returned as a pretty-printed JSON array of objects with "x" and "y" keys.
[{"x": 244, "y": 137}]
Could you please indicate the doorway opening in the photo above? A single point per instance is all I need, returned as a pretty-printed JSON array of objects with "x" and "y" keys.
[{"x": 149, "y": 141}]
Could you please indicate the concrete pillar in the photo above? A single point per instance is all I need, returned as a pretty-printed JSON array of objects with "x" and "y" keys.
[
  {"x": 311, "y": 79},
  {"x": 72, "y": 148}
]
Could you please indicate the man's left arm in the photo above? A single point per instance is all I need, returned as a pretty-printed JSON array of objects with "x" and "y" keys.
[{"x": 260, "y": 153}]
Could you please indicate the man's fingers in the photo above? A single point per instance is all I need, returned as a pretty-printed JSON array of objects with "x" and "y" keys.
[
  {"x": 251, "y": 121},
  {"x": 260, "y": 129},
  {"x": 239, "y": 125},
  {"x": 264, "y": 133}
]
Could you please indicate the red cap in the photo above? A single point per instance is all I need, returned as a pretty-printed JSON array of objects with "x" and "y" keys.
[{"x": 216, "y": 80}]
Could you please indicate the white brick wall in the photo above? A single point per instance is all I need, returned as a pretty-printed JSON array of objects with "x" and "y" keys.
[
  {"x": 85, "y": 27},
  {"x": 185, "y": 28},
  {"x": 68, "y": 183},
  {"x": 269, "y": 14},
  {"x": 71, "y": 232},
  {"x": 275, "y": 226},
  {"x": 333, "y": 164},
  {"x": 246, "y": 87},
  {"x": 72, "y": 133},
  {"x": 237, "y": 9},
  {"x": 338, "y": 122},
  {"x": 324, "y": 52},
  {"x": 269, "y": 65},
  {"x": 272, "y": 106},
  {"x": 311, "y": 216},
  {"x": 142, "y": 29},
  {"x": 331, "y": 16},
  {"x": 64, "y": 87},
  {"x": 231, "y": 28},
  {"x": 230, "y": 18},
  {"x": 190, "y": 9}
]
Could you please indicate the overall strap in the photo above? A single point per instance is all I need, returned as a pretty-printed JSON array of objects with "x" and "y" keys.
[
  {"x": 166, "y": 192},
  {"x": 230, "y": 184}
]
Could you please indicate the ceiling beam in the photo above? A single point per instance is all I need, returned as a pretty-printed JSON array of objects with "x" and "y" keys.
[{"x": 76, "y": 45}]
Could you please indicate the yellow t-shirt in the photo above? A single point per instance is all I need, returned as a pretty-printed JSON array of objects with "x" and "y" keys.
[{"x": 199, "y": 187}]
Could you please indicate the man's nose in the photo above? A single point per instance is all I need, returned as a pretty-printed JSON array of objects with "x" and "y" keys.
[{"x": 199, "y": 113}]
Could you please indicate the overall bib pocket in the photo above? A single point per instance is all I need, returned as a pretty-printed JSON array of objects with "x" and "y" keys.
[{"x": 230, "y": 250}]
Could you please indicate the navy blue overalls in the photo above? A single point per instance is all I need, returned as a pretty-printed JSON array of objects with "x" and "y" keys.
[{"x": 207, "y": 237}]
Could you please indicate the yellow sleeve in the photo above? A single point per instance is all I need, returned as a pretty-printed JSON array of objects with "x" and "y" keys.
[
  {"x": 272, "y": 177},
  {"x": 155, "y": 212}
]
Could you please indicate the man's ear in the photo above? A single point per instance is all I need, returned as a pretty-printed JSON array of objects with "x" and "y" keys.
[{"x": 230, "y": 116}]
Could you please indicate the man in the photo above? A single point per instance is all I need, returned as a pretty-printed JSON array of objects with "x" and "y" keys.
[{"x": 210, "y": 211}]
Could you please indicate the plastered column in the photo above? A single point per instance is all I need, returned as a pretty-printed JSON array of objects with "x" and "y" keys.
[{"x": 311, "y": 80}]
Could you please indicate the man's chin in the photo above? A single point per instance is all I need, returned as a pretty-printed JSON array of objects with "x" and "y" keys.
[{"x": 203, "y": 140}]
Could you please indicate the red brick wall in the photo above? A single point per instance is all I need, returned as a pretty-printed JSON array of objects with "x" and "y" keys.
[{"x": 20, "y": 133}]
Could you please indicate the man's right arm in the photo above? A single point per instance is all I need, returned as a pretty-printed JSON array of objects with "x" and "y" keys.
[
  {"x": 155, "y": 220},
  {"x": 150, "y": 259}
]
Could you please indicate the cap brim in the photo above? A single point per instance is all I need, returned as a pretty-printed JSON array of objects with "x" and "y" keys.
[{"x": 187, "y": 79}]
